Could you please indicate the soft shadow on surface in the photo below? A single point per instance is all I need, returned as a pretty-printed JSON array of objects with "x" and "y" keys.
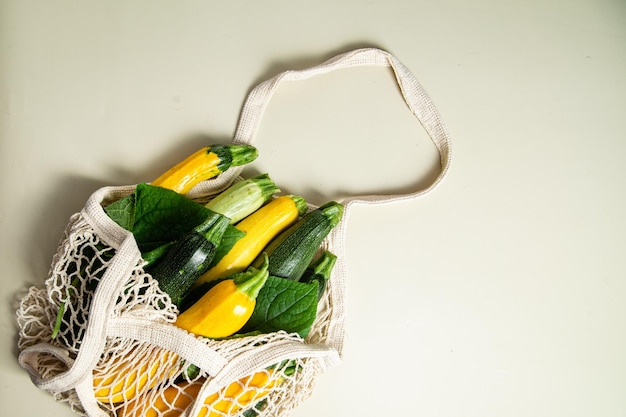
[
  {"x": 65, "y": 197},
  {"x": 70, "y": 193},
  {"x": 68, "y": 196}
]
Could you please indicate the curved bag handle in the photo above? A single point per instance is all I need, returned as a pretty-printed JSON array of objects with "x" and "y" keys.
[{"x": 414, "y": 95}]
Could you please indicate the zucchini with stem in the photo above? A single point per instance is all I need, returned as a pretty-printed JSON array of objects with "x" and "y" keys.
[
  {"x": 189, "y": 257},
  {"x": 244, "y": 197},
  {"x": 292, "y": 251},
  {"x": 320, "y": 271},
  {"x": 226, "y": 307},
  {"x": 204, "y": 164}
]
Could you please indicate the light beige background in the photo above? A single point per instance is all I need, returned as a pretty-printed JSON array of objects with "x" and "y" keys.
[{"x": 502, "y": 293}]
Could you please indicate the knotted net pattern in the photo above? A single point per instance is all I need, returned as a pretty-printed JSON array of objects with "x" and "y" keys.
[{"x": 133, "y": 377}]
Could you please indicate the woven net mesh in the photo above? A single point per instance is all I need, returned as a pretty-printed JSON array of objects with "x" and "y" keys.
[{"x": 136, "y": 378}]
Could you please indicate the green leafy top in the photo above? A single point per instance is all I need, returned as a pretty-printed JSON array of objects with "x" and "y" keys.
[
  {"x": 156, "y": 215},
  {"x": 283, "y": 304}
]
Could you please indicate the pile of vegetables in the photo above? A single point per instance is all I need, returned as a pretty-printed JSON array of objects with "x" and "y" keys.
[
  {"x": 231, "y": 263},
  {"x": 249, "y": 261}
]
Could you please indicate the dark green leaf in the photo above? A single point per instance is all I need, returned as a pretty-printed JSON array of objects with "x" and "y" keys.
[
  {"x": 283, "y": 304},
  {"x": 122, "y": 211},
  {"x": 163, "y": 216}
]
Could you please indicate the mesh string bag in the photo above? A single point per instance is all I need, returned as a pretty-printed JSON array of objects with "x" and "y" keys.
[{"x": 117, "y": 352}]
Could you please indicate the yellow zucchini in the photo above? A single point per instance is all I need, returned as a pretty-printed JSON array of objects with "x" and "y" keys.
[
  {"x": 260, "y": 228},
  {"x": 132, "y": 375},
  {"x": 204, "y": 164},
  {"x": 226, "y": 402},
  {"x": 226, "y": 307}
]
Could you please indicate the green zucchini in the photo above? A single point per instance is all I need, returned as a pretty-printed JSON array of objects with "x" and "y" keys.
[
  {"x": 292, "y": 251},
  {"x": 244, "y": 197},
  {"x": 320, "y": 270},
  {"x": 189, "y": 257}
]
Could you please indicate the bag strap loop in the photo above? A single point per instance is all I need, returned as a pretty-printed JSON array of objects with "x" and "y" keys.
[{"x": 414, "y": 95}]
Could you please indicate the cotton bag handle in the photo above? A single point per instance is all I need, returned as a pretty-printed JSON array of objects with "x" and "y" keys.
[{"x": 414, "y": 95}]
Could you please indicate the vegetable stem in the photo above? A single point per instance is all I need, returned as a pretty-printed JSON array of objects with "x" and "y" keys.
[
  {"x": 58, "y": 321},
  {"x": 324, "y": 264},
  {"x": 252, "y": 280},
  {"x": 333, "y": 212},
  {"x": 320, "y": 271},
  {"x": 300, "y": 204},
  {"x": 213, "y": 229},
  {"x": 61, "y": 312},
  {"x": 213, "y": 226},
  {"x": 242, "y": 154}
]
